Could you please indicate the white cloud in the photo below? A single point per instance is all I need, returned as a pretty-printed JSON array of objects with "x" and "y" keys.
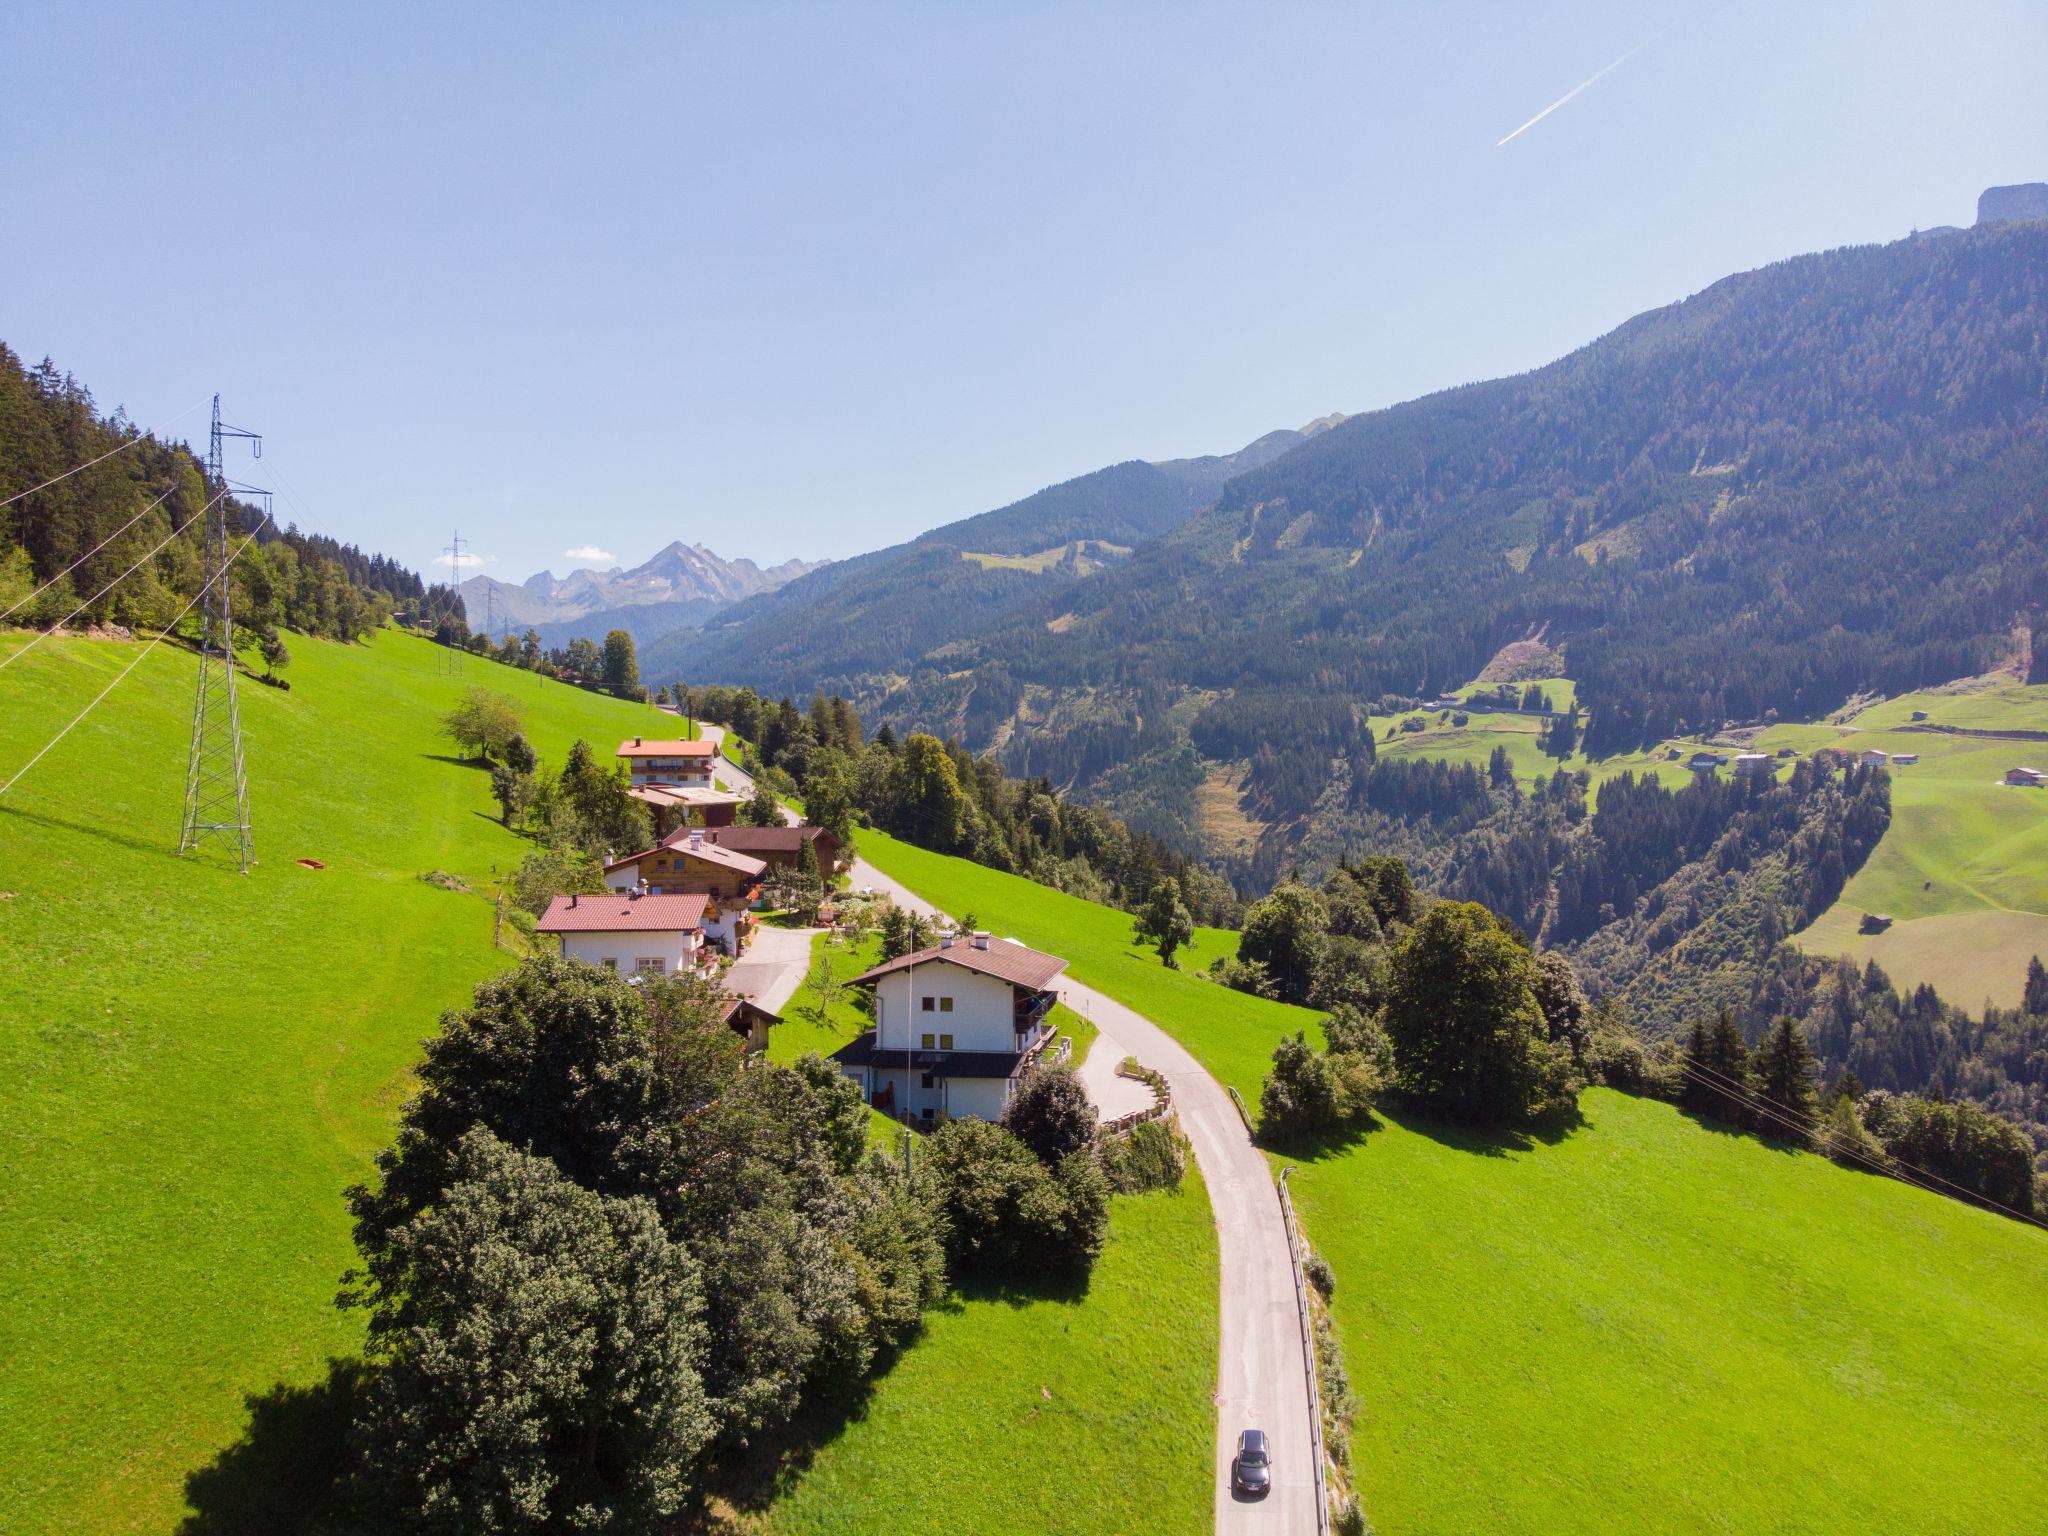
[
  {"x": 591, "y": 554},
  {"x": 468, "y": 559}
]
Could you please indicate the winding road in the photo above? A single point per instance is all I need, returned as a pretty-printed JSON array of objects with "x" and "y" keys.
[{"x": 1261, "y": 1365}]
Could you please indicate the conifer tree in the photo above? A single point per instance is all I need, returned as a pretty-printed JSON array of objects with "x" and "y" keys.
[{"x": 1784, "y": 1067}]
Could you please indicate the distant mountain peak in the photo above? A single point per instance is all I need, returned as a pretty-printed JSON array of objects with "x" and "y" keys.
[
  {"x": 682, "y": 577},
  {"x": 2005, "y": 205}
]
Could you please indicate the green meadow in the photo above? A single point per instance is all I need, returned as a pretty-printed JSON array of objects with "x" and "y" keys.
[
  {"x": 198, "y": 1061},
  {"x": 1650, "y": 1324}
]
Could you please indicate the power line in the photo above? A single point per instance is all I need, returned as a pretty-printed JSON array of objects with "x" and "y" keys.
[
  {"x": 103, "y": 543},
  {"x": 88, "y": 464},
  {"x": 1757, "y": 1101},
  {"x": 43, "y": 635},
  {"x": 159, "y": 640}
]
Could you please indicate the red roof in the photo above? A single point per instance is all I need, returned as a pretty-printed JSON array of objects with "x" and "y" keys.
[
  {"x": 1004, "y": 959},
  {"x": 614, "y": 913},
  {"x": 642, "y": 746},
  {"x": 709, "y": 853}
]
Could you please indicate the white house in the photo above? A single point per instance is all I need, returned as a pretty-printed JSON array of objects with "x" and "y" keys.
[
  {"x": 1871, "y": 757},
  {"x": 1753, "y": 763},
  {"x": 633, "y": 934},
  {"x": 955, "y": 1028},
  {"x": 686, "y": 763}
]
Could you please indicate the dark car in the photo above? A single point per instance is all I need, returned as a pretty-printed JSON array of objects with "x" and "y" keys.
[{"x": 1252, "y": 1470}]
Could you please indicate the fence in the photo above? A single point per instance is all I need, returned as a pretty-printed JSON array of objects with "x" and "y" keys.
[
  {"x": 1308, "y": 1355},
  {"x": 1162, "y": 1099}
]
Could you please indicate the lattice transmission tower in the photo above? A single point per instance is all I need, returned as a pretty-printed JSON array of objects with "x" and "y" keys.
[{"x": 216, "y": 780}]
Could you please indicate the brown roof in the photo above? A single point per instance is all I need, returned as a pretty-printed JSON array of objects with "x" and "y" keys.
[
  {"x": 709, "y": 852},
  {"x": 765, "y": 839},
  {"x": 1004, "y": 959},
  {"x": 641, "y": 746},
  {"x": 613, "y": 913}
]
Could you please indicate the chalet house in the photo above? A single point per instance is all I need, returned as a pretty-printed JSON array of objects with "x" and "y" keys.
[
  {"x": 1919, "y": 714},
  {"x": 955, "y": 1028},
  {"x": 1870, "y": 757},
  {"x": 631, "y": 933},
  {"x": 1904, "y": 759},
  {"x": 1705, "y": 762},
  {"x": 684, "y": 863},
  {"x": 669, "y": 762},
  {"x": 1753, "y": 763},
  {"x": 2026, "y": 778},
  {"x": 777, "y": 846}
]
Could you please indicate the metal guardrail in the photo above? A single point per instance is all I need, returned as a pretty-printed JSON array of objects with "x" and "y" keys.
[
  {"x": 1308, "y": 1350},
  {"x": 1242, "y": 1113}
]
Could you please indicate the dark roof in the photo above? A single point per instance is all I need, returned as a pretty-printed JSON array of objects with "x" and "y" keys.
[
  {"x": 622, "y": 914},
  {"x": 740, "y": 1007},
  {"x": 863, "y": 1053},
  {"x": 1004, "y": 959}
]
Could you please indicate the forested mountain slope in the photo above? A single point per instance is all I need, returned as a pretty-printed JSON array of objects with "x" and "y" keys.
[
  {"x": 1821, "y": 477},
  {"x": 880, "y": 612}
]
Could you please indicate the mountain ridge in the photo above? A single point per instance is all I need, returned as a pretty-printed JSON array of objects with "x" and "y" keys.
[{"x": 679, "y": 584}]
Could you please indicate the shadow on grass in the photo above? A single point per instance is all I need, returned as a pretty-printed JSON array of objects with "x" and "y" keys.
[
  {"x": 282, "y": 1476},
  {"x": 1490, "y": 1140},
  {"x": 460, "y": 762},
  {"x": 166, "y": 845},
  {"x": 1314, "y": 1148},
  {"x": 751, "y": 1480}
]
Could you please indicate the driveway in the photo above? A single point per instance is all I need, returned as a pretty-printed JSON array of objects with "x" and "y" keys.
[
  {"x": 773, "y": 967},
  {"x": 1262, "y": 1367},
  {"x": 725, "y": 771}
]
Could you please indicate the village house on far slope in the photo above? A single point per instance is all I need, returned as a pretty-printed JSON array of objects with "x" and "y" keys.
[
  {"x": 687, "y": 763},
  {"x": 955, "y": 1028},
  {"x": 630, "y": 933},
  {"x": 2026, "y": 778},
  {"x": 685, "y": 863}
]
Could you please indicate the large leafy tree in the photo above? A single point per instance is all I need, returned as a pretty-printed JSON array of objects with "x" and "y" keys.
[
  {"x": 1468, "y": 1034},
  {"x": 1164, "y": 920},
  {"x": 1051, "y": 1114},
  {"x": 1284, "y": 933},
  {"x": 536, "y": 1347},
  {"x": 621, "y": 664}
]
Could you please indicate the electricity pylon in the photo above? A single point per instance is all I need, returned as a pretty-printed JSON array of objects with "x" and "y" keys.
[{"x": 216, "y": 782}]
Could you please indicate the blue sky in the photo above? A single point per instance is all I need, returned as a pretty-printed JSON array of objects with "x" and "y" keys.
[{"x": 794, "y": 280}]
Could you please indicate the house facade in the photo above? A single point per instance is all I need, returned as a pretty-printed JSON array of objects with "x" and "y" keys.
[
  {"x": 2026, "y": 778},
  {"x": 685, "y": 863},
  {"x": 630, "y": 933},
  {"x": 956, "y": 1027},
  {"x": 686, "y": 763},
  {"x": 1753, "y": 763}
]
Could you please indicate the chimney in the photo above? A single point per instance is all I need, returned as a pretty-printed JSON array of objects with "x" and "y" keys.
[
  {"x": 572, "y": 898},
  {"x": 945, "y": 941},
  {"x": 981, "y": 938},
  {"x": 696, "y": 837}
]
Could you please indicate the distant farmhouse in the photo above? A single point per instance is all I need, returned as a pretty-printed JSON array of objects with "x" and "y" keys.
[
  {"x": 1707, "y": 762},
  {"x": 2027, "y": 778},
  {"x": 956, "y": 1027},
  {"x": 1870, "y": 757},
  {"x": 1753, "y": 763}
]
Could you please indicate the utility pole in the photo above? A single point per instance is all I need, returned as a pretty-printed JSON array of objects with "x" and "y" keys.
[
  {"x": 452, "y": 655},
  {"x": 216, "y": 781}
]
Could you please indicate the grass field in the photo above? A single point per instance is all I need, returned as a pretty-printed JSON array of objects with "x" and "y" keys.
[
  {"x": 1653, "y": 1325},
  {"x": 1963, "y": 869},
  {"x": 1230, "y": 1033},
  {"x": 198, "y": 1062},
  {"x": 1091, "y": 1416}
]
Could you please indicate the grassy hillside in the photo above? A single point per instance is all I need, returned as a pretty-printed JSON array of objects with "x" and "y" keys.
[
  {"x": 1017, "y": 1413},
  {"x": 1963, "y": 869},
  {"x": 1651, "y": 1324},
  {"x": 199, "y": 1062},
  {"x": 1230, "y": 1033}
]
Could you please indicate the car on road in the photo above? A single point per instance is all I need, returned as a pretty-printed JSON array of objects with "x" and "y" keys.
[{"x": 1251, "y": 1471}]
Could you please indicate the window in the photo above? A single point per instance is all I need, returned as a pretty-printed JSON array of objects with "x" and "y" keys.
[
  {"x": 610, "y": 962},
  {"x": 929, "y": 1003},
  {"x": 945, "y": 1042},
  {"x": 945, "y": 1005},
  {"x": 648, "y": 965},
  {"x": 928, "y": 1040},
  {"x": 928, "y": 1081}
]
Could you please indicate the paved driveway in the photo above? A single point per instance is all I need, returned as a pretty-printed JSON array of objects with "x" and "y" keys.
[
  {"x": 1262, "y": 1367},
  {"x": 773, "y": 967}
]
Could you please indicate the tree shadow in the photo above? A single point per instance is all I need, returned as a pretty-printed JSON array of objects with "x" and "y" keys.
[
  {"x": 1491, "y": 1140},
  {"x": 751, "y": 1479},
  {"x": 460, "y": 762},
  {"x": 282, "y": 1476},
  {"x": 1315, "y": 1147}
]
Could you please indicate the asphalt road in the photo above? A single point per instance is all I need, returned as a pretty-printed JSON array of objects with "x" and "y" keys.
[{"x": 1261, "y": 1366}]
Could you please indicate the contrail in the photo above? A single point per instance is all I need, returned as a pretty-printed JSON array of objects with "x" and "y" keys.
[{"x": 1568, "y": 95}]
